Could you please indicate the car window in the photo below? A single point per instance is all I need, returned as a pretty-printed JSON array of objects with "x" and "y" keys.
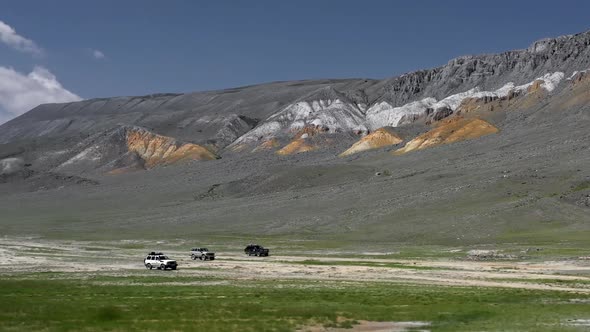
[{"x": 149, "y": 257}]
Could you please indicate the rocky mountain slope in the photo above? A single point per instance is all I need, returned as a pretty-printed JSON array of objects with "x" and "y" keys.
[
  {"x": 305, "y": 154},
  {"x": 256, "y": 114},
  {"x": 131, "y": 148}
]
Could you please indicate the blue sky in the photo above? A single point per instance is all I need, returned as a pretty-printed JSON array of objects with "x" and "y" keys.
[{"x": 181, "y": 46}]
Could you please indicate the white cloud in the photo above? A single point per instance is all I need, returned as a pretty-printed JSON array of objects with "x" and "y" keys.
[
  {"x": 95, "y": 53},
  {"x": 98, "y": 54},
  {"x": 20, "y": 93},
  {"x": 9, "y": 37}
]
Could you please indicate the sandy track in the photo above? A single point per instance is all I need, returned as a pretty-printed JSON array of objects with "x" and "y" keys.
[{"x": 27, "y": 255}]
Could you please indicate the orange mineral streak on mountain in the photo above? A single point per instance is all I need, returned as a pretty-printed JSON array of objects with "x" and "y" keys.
[
  {"x": 453, "y": 130},
  {"x": 379, "y": 138},
  {"x": 267, "y": 145},
  {"x": 300, "y": 142},
  {"x": 162, "y": 150},
  {"x": 296, "y": 146}
]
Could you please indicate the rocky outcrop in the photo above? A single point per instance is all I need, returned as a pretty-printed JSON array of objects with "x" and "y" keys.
[
  {"x": 565, "y": 54},
  {"x": 453, "y": 130},
  {"x": 470, "y": 105},
  {"x": 233, "y": 127},
  {"x": 380, "y": 138},
  {"x": 326, "y": 109},
  {"x": 157, "y": 150},
  {"x": 132, "y": 148},
  {"x": 430, "y": 109}
]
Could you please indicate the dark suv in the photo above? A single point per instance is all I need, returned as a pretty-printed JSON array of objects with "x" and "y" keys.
[{"x": 256, "y": 250}]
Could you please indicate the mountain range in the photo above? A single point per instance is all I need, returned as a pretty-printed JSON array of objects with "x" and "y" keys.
[{"x": 485, "y": 148}]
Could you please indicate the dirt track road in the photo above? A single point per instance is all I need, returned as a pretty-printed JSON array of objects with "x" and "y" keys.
[{"x": 21, "y": 255}]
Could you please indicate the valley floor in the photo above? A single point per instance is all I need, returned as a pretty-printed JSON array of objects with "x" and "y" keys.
[{"x": 75, "y": 285}]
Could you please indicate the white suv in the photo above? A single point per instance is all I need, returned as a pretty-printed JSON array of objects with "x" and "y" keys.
[
  {"x": 159, "y": 261},
  {"x": 202, "y": 254}
]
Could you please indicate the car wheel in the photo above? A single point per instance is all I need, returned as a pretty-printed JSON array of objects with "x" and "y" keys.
[
  {"x": 194, "y": 257},
  {"x": 163, "y": 267},
  {"x": 148, "y": 266},
  {"x": 204, "y": 257}
]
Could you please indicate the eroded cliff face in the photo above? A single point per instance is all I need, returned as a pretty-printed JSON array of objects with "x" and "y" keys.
[{"x": 564, "y": 54}]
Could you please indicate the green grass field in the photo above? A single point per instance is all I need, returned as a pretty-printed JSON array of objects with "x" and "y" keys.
[{"x": 102, "y": 302}]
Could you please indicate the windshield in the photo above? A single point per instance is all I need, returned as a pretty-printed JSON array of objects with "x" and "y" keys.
[
  {"x": 163, "y": 257},
  {"x": 204, "y": 249}
]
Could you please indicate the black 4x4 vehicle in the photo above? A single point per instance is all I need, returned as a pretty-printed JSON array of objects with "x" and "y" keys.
[{"x": 255, "y": 250}]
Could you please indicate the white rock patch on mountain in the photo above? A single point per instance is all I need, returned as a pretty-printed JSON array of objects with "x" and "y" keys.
[
  {"x": 384, "y": 114},
  {"x": 327, "y": 109}
]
